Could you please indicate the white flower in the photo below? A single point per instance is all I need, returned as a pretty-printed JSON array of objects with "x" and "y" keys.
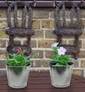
[
  {"x": 61, "y": 51},
  {"x": 54, "y": 45}
]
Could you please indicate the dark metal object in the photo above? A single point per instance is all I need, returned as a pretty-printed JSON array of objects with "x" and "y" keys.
[
  {"x": 61, "y": 29},
  {"x": 24, "y": 30},
  {"x": 74, "y": 29},
  {"x": 43, "y": 3}
]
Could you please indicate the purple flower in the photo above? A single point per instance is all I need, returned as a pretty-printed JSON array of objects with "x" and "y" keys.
[
  {"x": 61, "y": 51},
  {"x": 18, "y": 50}
]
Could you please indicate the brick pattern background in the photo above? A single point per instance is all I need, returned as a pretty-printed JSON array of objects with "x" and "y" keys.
[{"x": 43, "y": 25}]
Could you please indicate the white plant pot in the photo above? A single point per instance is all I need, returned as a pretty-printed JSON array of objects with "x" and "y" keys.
[
  {"x": 18, "y": 80},
  {"x": 61, "y": 80}
]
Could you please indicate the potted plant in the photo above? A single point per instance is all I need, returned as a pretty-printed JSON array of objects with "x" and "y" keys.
[
  {"x": 18, "y": 68},
  {"x": 60, "y": 67}
]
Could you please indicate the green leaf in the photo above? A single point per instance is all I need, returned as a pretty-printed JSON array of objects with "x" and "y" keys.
[
  {"x": 17, "y": 62},
  {"x": 63, "y": 59}
]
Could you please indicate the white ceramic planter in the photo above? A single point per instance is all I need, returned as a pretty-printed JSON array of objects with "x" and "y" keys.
[
  {"x": 61, "y": 80},
  {"x": 18, "y": 80}
]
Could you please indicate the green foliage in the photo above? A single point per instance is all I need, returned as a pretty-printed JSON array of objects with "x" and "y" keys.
[
  {"x": 59, "y": 59},
  {"x": 17, "y": 62}
]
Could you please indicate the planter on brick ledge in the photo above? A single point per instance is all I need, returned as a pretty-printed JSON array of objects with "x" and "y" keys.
[
  {"x": 18, "y": 68},
  {"x": 60, "y": 67},
  {"x": 17, "y": 80},
  {"x": 61, "y": 75}
]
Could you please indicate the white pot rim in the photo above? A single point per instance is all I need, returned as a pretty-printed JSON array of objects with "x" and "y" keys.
[{"x": 18, "y": 66}]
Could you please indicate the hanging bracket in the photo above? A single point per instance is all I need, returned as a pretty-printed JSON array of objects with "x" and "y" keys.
[{"x": 44, "y": 3}]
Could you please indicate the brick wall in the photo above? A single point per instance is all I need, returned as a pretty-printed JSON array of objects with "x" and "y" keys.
[{"x": 43, "y": 25}]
